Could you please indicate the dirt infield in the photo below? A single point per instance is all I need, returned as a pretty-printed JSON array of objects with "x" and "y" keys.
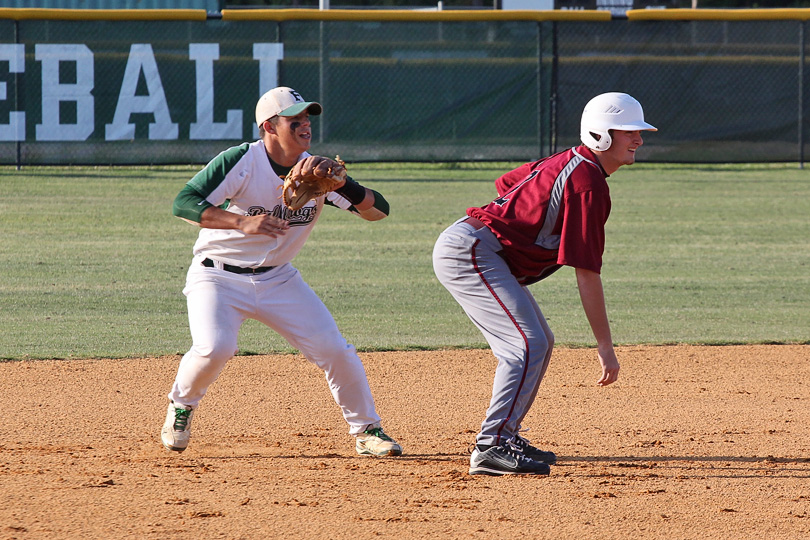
[{"x": 692, "y": 442}]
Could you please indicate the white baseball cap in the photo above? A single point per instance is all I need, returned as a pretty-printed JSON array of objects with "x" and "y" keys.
[{"x": 283, "y": 101}]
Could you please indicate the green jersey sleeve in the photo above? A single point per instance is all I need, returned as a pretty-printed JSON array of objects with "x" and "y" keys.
[
  {"x": 189, "y": 204},
  {"x": 192, "y": 200}
]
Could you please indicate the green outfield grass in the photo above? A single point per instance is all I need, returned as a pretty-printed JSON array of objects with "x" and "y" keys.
[{"x": 93, "y": 263}]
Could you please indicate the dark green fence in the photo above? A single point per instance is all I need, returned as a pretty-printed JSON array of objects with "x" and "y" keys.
[{"x": 157, "y": 87}]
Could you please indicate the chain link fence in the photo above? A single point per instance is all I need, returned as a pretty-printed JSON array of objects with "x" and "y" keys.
[
  {"x": 179, "y": 91},
  {"x": 719, "y": 91}
]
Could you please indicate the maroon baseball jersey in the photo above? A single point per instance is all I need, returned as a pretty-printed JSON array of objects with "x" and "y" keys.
[{"x": 550, "y": 213}]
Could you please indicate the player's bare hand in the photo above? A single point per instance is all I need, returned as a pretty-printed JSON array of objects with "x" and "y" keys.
[
  {"x": 264, "y": 224},
  {"x": 610, "y": 367}
]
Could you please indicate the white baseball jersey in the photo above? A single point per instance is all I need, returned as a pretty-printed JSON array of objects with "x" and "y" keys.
[{"x": 243, "y": 178}]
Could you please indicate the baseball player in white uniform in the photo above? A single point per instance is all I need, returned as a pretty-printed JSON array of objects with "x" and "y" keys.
[{"x": 242, "y": 270}]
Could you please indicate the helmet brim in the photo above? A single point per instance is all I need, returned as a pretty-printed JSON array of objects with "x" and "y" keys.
[{"x": 638, "y": 126}]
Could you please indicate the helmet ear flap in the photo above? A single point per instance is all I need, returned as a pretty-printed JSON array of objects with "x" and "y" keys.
[{"x": 596, "y": 139}]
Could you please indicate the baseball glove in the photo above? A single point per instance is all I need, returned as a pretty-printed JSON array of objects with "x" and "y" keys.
[{"x": 310, "y": 178}]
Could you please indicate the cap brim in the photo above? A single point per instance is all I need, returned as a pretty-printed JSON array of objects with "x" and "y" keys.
[{"x": 313, "y": 107}]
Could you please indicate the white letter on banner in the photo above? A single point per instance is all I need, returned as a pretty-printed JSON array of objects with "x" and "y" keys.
[
  {"x": 140, "y": 59},
  {"x": 268, "y": 55},
  {"x": 204, "y": 55},
  {"x": 14, "y": 54},
  {"x": 54, "y": 92}
]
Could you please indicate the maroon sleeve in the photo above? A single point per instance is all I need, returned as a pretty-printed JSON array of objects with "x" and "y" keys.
[{"x": 582, "y": 241}]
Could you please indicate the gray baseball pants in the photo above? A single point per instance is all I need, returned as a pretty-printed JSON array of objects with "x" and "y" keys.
[{"x": 467, "y": 263}]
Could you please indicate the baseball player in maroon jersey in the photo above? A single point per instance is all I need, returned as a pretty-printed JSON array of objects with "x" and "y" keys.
[
  {"x": 242, "y": 270},
  {"x": 548, "y": 213}
]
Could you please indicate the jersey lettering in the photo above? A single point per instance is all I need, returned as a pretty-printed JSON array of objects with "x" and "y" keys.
[
  {"x": 503, "y": 199},
  {"x": 296, "y": 218}
]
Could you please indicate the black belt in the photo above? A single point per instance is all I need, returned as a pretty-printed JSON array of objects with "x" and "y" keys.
[{"x": 208, "y": 263}]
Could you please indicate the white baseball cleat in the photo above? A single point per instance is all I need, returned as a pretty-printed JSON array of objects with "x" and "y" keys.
[
  {"x": 177, "y": 428},
  {"x": 375, "y": 442}
]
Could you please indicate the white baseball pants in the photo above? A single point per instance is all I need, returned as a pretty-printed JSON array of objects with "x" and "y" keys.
[{"x": 220, "y": 301}]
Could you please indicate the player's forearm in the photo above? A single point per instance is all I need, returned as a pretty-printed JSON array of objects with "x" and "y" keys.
[
  {"x": 214, "y": 217},
  {"x": 593, "y": 302},
  {"x": 217, "y": 218},
  {"x": 369, "y": 204},
  {"x": 192, "y": 207},
  {"x": 374, "y": 206}
]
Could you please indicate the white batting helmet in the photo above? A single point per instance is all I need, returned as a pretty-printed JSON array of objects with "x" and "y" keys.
[{"x": 613, "y": 110}]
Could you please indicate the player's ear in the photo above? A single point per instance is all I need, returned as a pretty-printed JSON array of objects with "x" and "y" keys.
[{"x": 269, "y": 127}]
